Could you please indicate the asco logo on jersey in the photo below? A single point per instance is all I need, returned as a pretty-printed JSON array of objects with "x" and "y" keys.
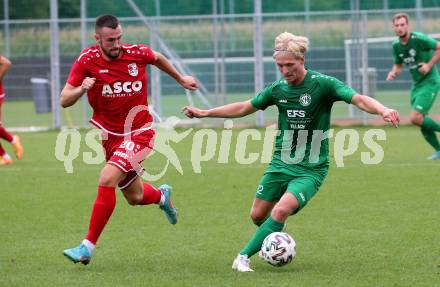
[
  {"x": 133, "y": 69},
  {"x": 121, "y": 88}
]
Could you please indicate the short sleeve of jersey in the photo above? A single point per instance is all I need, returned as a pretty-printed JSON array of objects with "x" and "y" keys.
[
  {"x": 263, "y": 99},
  {"x": 428, "y": 43},
  {"x": 149, "y": 54},
  {"x": 339, "y": 91},
  {"x": 77, "y": 74},
  {"x": 396, "y": 59}
]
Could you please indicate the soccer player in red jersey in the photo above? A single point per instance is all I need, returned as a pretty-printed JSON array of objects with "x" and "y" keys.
[
  {"x": 115, "y": 79},
  {"x": 5, "y": 159}
]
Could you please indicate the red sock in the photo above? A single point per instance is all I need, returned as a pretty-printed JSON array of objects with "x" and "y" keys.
[
  {"x": 2, "y": 151},
  {"x": 103, "y": 207},
  {"x": 5, "y": 135},
  {"x": 151, "y": 195}
]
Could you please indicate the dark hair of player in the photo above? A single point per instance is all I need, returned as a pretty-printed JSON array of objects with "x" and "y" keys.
[{"x": 106, "y": 20}]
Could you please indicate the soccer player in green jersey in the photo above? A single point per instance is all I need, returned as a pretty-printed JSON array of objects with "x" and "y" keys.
[
  {"x": 304, "y": 99},
  {"x": 420, "y": 53}
]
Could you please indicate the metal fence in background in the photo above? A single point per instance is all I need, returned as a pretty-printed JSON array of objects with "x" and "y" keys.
[{"x": 219, "y": 50}]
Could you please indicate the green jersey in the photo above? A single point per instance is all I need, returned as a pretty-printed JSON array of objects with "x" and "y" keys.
[
  {"x": 303, "y": 121},
  {"x": 418, "y": 49}
]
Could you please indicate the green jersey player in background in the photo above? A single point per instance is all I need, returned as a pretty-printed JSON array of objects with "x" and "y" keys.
[
  {"x": 304, "y": 99},
  {"x": 420, "y": 53}
]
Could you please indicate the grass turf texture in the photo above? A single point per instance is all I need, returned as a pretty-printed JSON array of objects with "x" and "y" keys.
[{"x": 368, "y": 225}]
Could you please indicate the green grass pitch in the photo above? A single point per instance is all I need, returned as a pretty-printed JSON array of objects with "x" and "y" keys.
[{"x": 369, "y": 225}]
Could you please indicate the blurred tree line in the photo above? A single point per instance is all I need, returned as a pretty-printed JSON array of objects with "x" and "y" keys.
[{"x": 39, "y": 9}]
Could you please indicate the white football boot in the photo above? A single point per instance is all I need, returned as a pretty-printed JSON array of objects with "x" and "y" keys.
[{"x": 241, "y": 264}]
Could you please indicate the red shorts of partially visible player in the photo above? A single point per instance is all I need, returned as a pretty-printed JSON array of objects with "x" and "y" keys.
[{"x": 127, "y": 153}]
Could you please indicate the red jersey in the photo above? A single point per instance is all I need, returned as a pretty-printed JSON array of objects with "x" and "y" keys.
[
  {"x": 2, "y": 91},
  {"x": 120, "y": 86}
]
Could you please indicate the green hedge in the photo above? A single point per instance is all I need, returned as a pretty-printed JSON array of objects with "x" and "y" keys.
[
  {"x": 196, "y": 37},
  {"x": 39, "y": 9}
]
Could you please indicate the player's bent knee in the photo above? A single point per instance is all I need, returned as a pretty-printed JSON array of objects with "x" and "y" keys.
[
  {"x": 108, "y": 179},
  {"x": 258, "y": 217},
  {"x": 281, "y": 213},
  {"x": 133, "y": 200},
  {"x": 104, "y": 181},
  {"x": 416, "y": 120}
]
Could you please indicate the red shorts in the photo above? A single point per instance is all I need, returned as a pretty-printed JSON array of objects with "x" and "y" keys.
[{"x": 127, "y": 153}]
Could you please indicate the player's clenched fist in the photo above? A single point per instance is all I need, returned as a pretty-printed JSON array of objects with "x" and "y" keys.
[
  {"x": 88, "y": 83},
  {"x": 424, "y": 68},
  {"x": 391, "y": 76},
  {"x": 192, "y": 112},
  {"x": 189, "y": 83},
  {"x": 391, "y": 116}
]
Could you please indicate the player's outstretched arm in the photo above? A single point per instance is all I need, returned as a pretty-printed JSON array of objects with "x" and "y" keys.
[
  {"x": 163, "y": 64},
  {"x": 234, "y": 110},
  {"x": 394, "y": 73},
  {"x": 372, "y": 106},
  {"x": 71, "y": 94}
]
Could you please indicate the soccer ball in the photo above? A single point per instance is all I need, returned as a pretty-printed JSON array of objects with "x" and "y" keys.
[{"x": 278, "y": 249}]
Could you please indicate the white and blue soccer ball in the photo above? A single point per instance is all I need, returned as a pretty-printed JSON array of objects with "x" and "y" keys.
[{"x": 278, "y": 249}]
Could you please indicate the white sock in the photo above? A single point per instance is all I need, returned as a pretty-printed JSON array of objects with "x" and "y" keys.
[
  {"x": 90, "y": 246},
  {"x": 14, "y": 140},
  {"x": 7, "y": 157},
  {"x": 162, "y": 199}
]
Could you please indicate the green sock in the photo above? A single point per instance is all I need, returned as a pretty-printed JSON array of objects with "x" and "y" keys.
[
  {"x": 254, "y": 245},
  {"x": 430, "y": 124},
  {"x": 431, "y": 138}
]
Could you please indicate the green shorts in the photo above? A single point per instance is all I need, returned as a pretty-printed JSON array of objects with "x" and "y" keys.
[
  {"x": 423, "y": 96},
  {"x": 274, "y": 184}
]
